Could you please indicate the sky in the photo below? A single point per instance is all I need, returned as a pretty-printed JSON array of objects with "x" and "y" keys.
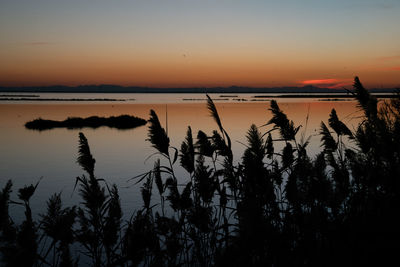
[{"x": 200, "y": 43}]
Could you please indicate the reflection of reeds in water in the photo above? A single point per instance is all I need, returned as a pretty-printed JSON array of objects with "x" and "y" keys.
[{"x": 274, "y": 208}]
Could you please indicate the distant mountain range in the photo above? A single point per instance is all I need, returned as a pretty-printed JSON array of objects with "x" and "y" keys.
[{"x": 133, "y": 89}]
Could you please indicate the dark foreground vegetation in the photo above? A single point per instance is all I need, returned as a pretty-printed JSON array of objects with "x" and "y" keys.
[
  {"x": 273, "y": 208},
  {"x": 120, "y": 122}
]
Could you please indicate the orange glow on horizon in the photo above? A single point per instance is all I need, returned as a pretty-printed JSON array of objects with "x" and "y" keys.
[
  {"x": 47, "y": 65},
  {"x": 175, "y": 70}
]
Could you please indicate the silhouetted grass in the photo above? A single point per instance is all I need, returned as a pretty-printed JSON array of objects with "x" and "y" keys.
[
  {"x": 273, "y": 208},
  {"x": 120, "y": 122}
]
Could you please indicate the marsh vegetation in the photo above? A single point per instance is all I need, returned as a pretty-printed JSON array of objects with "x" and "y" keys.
[{"x": 273, "y": 208}]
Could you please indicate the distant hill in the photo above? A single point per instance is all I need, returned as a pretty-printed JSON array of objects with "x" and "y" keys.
[{"x": 133, "y": 89}]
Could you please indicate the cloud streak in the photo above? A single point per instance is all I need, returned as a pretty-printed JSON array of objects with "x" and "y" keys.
[
  {"x": 390, "y": 58},
  {"x": 38, "y": 43},
  {"x": 327, "y": 83}
]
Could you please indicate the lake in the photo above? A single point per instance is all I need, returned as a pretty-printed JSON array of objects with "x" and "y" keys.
[{"x": 28, "y": 156}]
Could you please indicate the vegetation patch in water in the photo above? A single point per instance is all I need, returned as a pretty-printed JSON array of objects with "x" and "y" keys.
[
  {"x": 120, "y": 122},
  {"x": 349, "y": 95},
  {"x": 228, "y": 96},
  {"x": 59, "y": 99},
  {"x": 6, "y": 95}
]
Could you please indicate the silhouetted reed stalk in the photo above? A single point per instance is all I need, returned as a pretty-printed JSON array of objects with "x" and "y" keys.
[{"x": 272, "y": 208}]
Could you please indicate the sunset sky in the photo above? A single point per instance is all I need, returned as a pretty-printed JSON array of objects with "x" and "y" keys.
[{"x": 179, "y": 43}]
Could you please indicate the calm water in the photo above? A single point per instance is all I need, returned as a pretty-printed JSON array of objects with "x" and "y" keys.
[{"x": 27, "y": 156}]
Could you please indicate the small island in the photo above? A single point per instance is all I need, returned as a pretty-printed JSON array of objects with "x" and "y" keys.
[
  {"x": 60, "y": 99},
  {"x": 120, "y": 122}
]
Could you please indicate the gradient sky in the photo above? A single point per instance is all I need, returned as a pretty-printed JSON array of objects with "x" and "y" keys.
[{"x": 170, "y": 43}]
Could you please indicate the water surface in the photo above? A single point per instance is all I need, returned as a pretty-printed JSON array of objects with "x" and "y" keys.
[{"x": 27, "y": 155}]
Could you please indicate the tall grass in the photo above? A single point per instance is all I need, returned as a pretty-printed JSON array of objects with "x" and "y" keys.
[{"x": 273, "y": 208}]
